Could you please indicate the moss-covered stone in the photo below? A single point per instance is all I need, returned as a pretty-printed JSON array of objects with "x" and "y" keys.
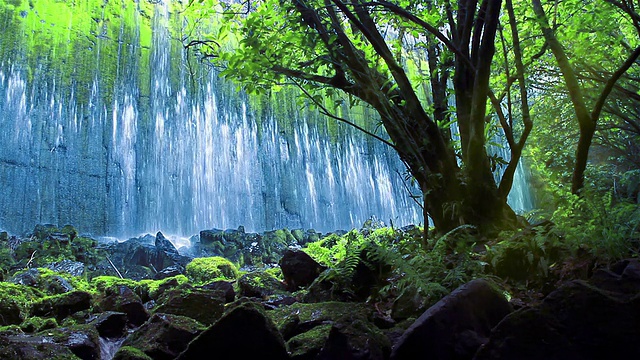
[
  {"x": 130, "y": 353},
  {"x": 15, "y": 302},
  {"x": 63, "y": 305},
  {"x": 37, "y": 324},
  {"x": 308, "y": 344},
  {"x": 82, "y": 339},
  {"x": 205, "y": 270},
  {"x": 260, "y": 284},
  {"x": 205, "y": 306}
]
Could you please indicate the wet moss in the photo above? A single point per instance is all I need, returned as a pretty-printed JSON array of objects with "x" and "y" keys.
[
  {"x": 205, "y": 270},
  {"x": 15, "y": 302},
  {"x": 309, "y": 344},
  {"x": 130, "y": 353},
  {"x": 36, "y": 324}
]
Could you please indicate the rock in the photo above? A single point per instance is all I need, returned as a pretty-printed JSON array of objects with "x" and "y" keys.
[
  {"x": 164, "y": 244},
  {"x": 56, "y": 285},
  {"x": 245, "y": 332},
  {"x": 120, "y": 298},
  {"x": 224, "y": 286},
  {"x": 259, "y": 284},
  {"x": 63, "y": 305},
  {"x": 205, "y": 270},
  {"x": 173, "y": 270},
  {"x": 25, "y": 347},
  {"x": 576, "y": 321},
  {"x": 299, "y": 269},
  {"x": 15, "y": 302},
  {"x": 455, "y": 326},
  {"x": 111, "y": 324},
  {"x": 130, "y": 353},
  {"x": 74, "y": 268},
  {"x": 331, "y": 330},
  {"x": 164, "y": 336},
  {"x": 205, "y": 306},
  {"x": 82, "y": 340},
  {"x": 27, "y": 278}
]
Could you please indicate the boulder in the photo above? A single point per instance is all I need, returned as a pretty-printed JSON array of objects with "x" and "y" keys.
[
  {"x": 299, "y": 269},
  {"x": 26, "y": 347},
  {"x": 223, "y": 286},
  {"x": 111, "y": 324},
  {"x": 456, "y": 326},
  {"x": 244, "y": 332},
  {"x": 259, "y": 284},
  {"x": 74, "y": 268},
  {"x": 63, "y": 305},
  {"x": 164, "y": 244},
  {"x": 120, "y": 298},
  {"x": 205, "y": 306},
  {"x": 576, "y": 321},
  {"x": 82, "y": 340},
  {"x": 164, "y": 336}
]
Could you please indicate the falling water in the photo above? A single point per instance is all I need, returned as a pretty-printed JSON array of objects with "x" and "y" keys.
[{"x": 134, "y": 146}]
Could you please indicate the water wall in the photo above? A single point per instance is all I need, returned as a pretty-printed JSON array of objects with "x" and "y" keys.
[{"x": 107, "y": 123}]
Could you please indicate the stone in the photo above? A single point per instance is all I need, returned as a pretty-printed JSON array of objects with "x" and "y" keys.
[
  {"x": 170, "y": 271},
  {"x": 164, "y": 244},
  {"x": 26, "y": 347},
  {"x": 111, "y": 324},
  {"x": 244, "y": 332},
  {"x": 74, "y": 268},
  {"x": 27, "y": 278},
  {"x": 456, "y": 326},
  {"x": 205, "y": 306},
  {"x": 122, "y": 299},
  {"x": 63, "y": 305},
  {"x": 576, "y": 321},
  {"x": 299, "y": 269},
  {"x": 164, "y": 336},
  {"x": 224, "y": 286},
  {"x": 259, "y": 284}
]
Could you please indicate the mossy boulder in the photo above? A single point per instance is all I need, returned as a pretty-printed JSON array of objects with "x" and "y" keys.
[
  {"x": 331, "y": 330},
  {"x": 164, "y": 336},
  {"x": 205, "y": 306},
  {"x": 205, "y": 270},
  {"x": 36, "y": 324},
  {"x": 15, "y": 302},
  {"x": 25, "y": 347},
  {"x": 121, "y": 298},
  {"x": 83, "y": 340},
  {"x": 63, "y": 305},
  {"x": 130, "y": 353},
  {"x": 260, "y": 284}
]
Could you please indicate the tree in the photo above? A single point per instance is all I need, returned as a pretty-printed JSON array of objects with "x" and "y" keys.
[
  {"x": 366, "y": 51},
  {"x": 587, "y": 120}
]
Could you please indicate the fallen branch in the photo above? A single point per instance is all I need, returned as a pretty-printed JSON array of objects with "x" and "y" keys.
[{"x": 115, "y": 268}]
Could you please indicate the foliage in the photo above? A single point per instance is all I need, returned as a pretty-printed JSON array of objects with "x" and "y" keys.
[
  {"x": 205, "y": 270},
  {"x": 19, "y": 298}
]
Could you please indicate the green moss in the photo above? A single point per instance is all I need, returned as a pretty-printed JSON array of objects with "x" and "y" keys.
[
  {"x": 310, "y": 342},
  {"x": 155, "y": 287},
  {"x": 103, "y": 283},
  {"x": 204, "y": 270},
  {"x": 276, "y": 272},
  {"x": 37, "y": 324},
  {"x": 130, "y": 353},
  {"x": 15, "y": 302}
]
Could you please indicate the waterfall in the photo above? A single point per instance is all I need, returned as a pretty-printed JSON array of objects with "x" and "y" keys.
[{"x": 117, "y": 131}]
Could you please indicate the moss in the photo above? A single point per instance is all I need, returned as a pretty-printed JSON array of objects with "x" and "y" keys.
[
  {"x": 15, "y": 302},
  {"x": 205, "y": 270},
  {"x": 310, "y": 342},
  {"x": 48, "y": 276},
  {"x": 130, "y": 353},
  {"x": 156, "y": 287},
  {"x": 104, "y": 283},
  {"x": 37, "y": 324},
  {"x": 276, "y": 272}
]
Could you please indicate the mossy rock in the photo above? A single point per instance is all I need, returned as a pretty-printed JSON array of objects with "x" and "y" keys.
[
  {"x": 82, "y": 339},
  {"x": 205, "y": 270},
  {"x": 155, "y": 288},
  {"x": 205, "y": 306},
  {"x": 63, "y": 305},
  {"x": 130, "y": 353},
  {"x": 15, "y": 302},
  {"x": 308, "y": 344},
  {"x": 260, "y": 284},
  {"x": 36, "y": 324}
]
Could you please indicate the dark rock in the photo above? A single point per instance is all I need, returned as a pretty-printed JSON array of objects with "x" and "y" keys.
[
  {"x": 170, "y": 271},
  {"x": 333, "y": 330},
  {"x": 205, "y": 306},
  {"x": 165, "y": 336},
  {"x": 370, "y": 273},
  {"x": 456, "y": 326},
  {"x": 27, "y": 278},
  {"x": 122, "y": 299},
  {"x": 577, "y": 321},
  {"x": 259, "y": 284},
  {"x": 164, "y": 244},
  {"x": 224, "y": 286},
  {"x": 299, "y": 269},
  {"x": 245, "y": 332},
  {"x": 10, "y": 313},
  {"x": 74, "y": 268},
  {"x": 111, "y": 324},
  {"x": 63, "y": 305},
  {"x": 279, "y": 300},
  {"x": 26, "y": 347},
  {"x": 56, "y": 285},
  {"x": 327, "y": 288},
  {"x": 130, "y": 353},
  {"x": 84, "y": 344}
]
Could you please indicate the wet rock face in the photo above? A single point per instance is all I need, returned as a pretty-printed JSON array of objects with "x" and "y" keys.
[
  {"x": 456, "y": 326},
  {"x": 598, "y": 319}
]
